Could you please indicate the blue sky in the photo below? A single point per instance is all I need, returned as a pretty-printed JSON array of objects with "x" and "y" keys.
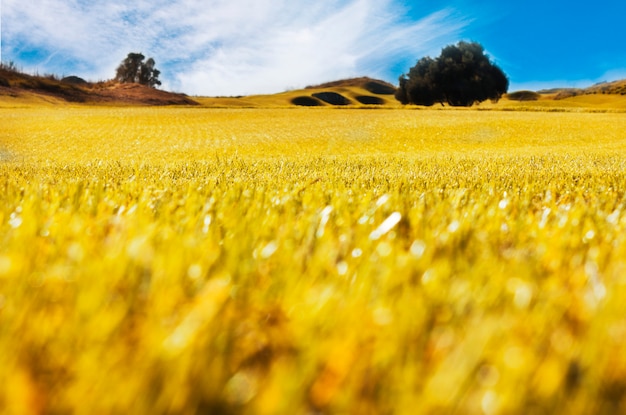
[{"x": 240, "y": 47}]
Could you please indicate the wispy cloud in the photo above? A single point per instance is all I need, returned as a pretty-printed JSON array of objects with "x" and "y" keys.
[{"x": 224, "y": 47}]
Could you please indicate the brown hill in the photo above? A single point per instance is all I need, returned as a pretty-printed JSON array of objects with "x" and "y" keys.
[
  {"x": 75, "y": 89},
  {"x": 374, "y": 86},
  {"x": 605, "y": 88},
  {"x": 615, "y": 87}
]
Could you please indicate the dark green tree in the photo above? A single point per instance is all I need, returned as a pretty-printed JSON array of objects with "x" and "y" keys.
[
  {"x": 461, "y": 76},
  {"x": 133, "y": 69},
  {"x": 420, "y": 85}
]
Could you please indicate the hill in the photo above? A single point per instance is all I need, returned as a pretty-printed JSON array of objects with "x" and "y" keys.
[
  {"x": 604, "y": 88},
  {"x": 353, "y": 92},
  {"x": 374, "y": 86},
  {"x": 615, "y": 87},
  {"x": 73, "y": 89},
  {"x": 362, "y": 92}
]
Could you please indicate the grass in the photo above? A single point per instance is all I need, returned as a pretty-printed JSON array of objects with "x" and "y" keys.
[{"x": 194, "y": 260}]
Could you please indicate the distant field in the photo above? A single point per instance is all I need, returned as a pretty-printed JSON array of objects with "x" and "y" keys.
[
  {"x": 166, "y": 135},
  {"x": 297, "y": 261}
]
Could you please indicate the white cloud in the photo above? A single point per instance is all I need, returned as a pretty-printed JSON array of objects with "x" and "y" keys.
[{"x": 223, "y": 47}]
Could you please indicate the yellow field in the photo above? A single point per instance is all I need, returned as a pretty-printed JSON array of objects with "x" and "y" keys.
[{"x": 300, "y": 261}]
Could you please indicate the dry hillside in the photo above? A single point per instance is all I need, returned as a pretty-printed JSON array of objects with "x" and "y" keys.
[
  {"x": 75, "y": 89},
  {"x": 604, "y": 88},
  {"x": 354, "y": 92}
]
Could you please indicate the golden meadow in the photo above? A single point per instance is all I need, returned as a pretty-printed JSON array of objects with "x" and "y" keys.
[{"x": 305, "y": 261}]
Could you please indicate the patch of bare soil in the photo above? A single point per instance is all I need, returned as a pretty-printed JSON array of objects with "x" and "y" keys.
[
  {"x": 305, "y": 101},
  {"x": 332, "y": 98},
  {"x": 523, "y": 96},
  {"x": 369, "y": 100}
]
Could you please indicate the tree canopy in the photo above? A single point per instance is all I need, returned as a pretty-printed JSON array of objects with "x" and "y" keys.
[
  {"x": 133, "y": 69},
  {"x": 461, "y": 76}
]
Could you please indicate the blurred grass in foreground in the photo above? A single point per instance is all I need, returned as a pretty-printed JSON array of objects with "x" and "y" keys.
[{"x": 318, "y": 262}]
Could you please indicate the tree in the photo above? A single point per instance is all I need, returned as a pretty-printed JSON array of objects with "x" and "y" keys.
[
  {"x": 420, "y": 86},
  {"x": 134, "y": 70},
  {"x": 461, "y": 76}
]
